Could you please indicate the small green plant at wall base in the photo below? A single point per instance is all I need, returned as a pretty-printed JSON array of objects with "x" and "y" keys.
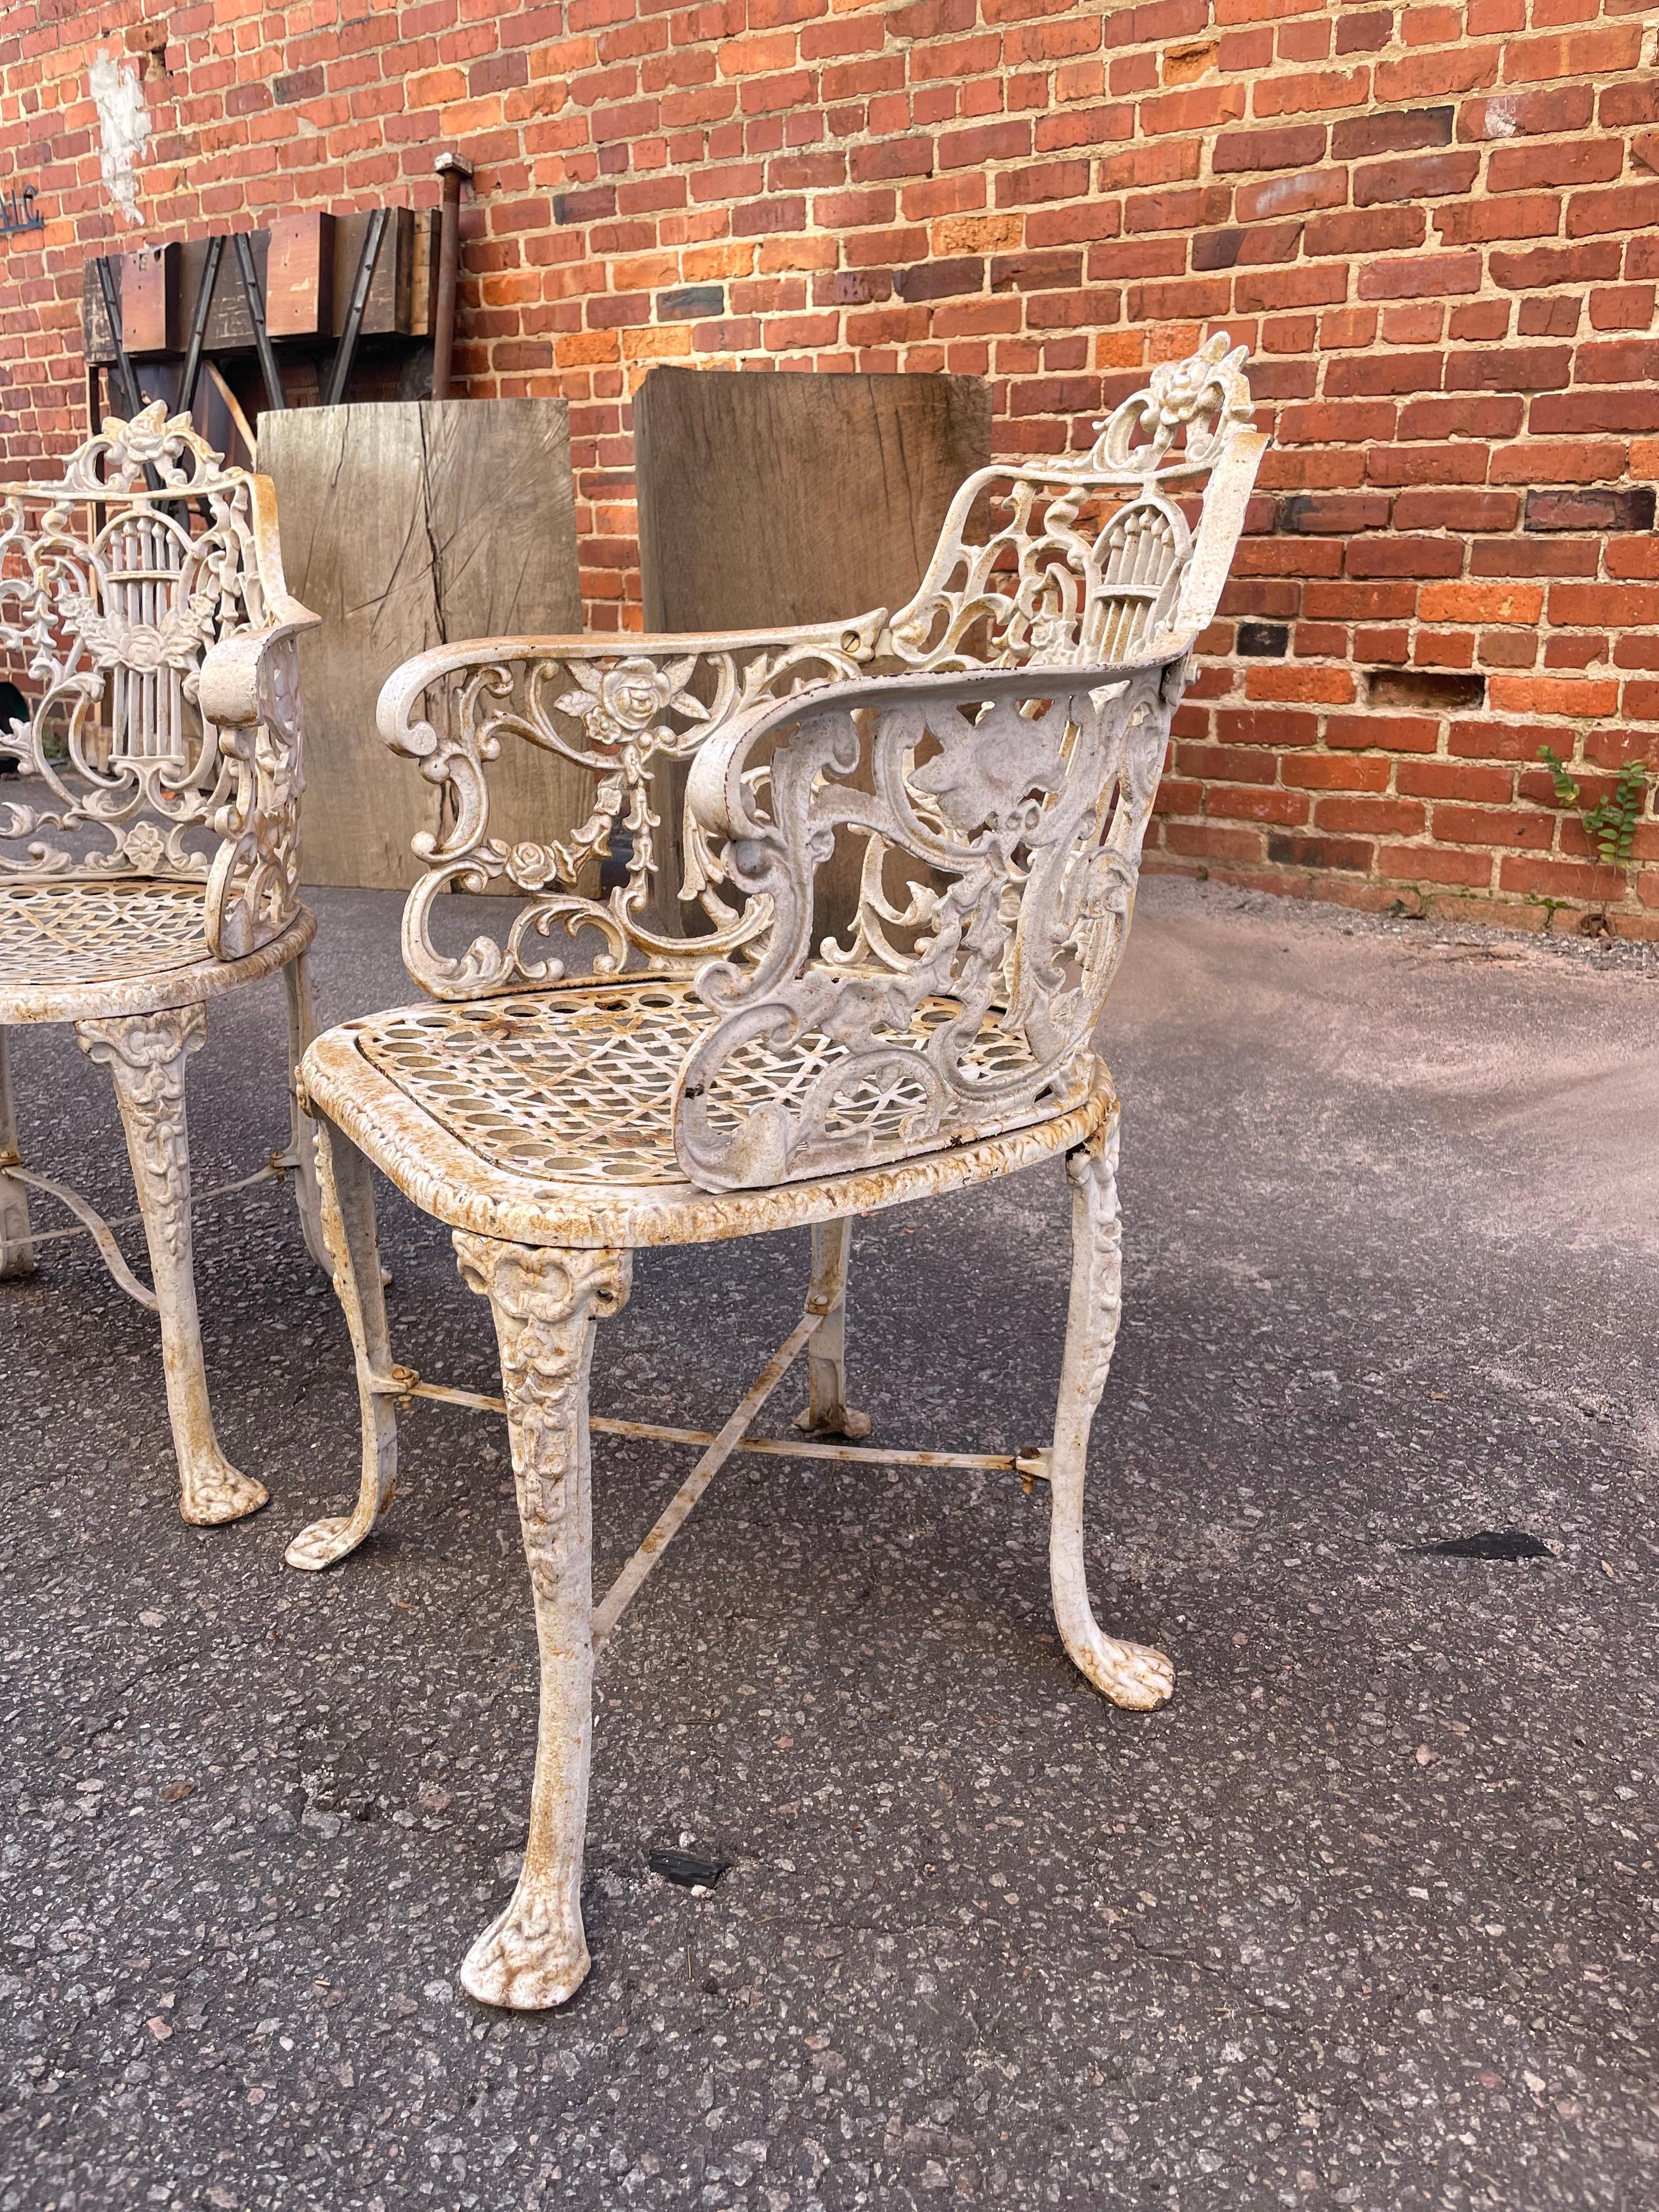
[{"x": 1610, "y": 824}]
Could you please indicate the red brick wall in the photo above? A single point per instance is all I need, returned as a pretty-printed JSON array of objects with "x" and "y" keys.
[{"x": 1433, "y": 225}]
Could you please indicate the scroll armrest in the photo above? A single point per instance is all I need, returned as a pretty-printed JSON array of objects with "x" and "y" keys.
[
  {"x": 853, "y": 641},
  {"x": 715, "y": 794},
  {"x": 621, "y": 710},
  {"x": 234, "y": 685},
  {"x": 1226, "y": 498},
  {"x": 240, "y": 676}
]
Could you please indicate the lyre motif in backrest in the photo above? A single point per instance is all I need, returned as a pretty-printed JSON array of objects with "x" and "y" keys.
[
  {"x": 1087, "y": 559},
  {"x": 114, "y": 586}
]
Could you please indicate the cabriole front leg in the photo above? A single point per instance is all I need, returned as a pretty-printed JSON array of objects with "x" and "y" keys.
[
  {"x": 545, "y": 1304},
  {"x": 826, "y": 1413},
  {"x": 346, "y": 1193},
  {"x": 16, "y": 1251},
  {"x": 145, "y": 1055},
  {"x": 1130, "y": 1675}
]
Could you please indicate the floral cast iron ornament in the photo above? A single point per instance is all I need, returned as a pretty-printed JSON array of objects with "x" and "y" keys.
[
  {"x": 1083, "y": 562},
  {"x": 164, "y": 738},
  {"x": 980, "y": 770}
]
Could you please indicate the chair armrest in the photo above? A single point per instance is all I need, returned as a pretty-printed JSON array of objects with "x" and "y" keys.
[
  {"x": 248, "y": 687},
  {"x": 623, "y": 710},
  {"x": 1226, "y": 499},
  {"x": 234, "y": 682}
]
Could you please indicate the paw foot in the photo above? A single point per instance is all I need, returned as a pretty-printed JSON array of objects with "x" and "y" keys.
[
  {"x": 324, "y": 1542},
  {"x": 515, "y": 1966},
  {"x": 846, "y": 1424},
  {"x": 209, "y": 1496},
  {"x": 1131, "y": 1675}
]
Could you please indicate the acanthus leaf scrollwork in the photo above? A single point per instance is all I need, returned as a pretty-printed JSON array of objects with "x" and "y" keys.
[
  {"x": 964, "y": 1003},
  {"x": 1083, "y": 560}
]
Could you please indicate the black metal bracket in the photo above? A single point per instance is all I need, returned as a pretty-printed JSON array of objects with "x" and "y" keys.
[
  {"x": 129, "y": 392},
  {"x": 198, "y": 323},
  {"x": 256, "y": 315},
  {"x": 345, "y": 353}
]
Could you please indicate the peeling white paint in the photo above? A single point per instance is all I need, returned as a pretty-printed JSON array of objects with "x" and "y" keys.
[{"x": 123, "y": 122}]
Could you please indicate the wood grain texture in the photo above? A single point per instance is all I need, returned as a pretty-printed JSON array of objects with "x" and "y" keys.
[
  {"x": 773, "y": 499},
  {"x": 768, "y": 499},
  {"x": 403, "y": 526}
]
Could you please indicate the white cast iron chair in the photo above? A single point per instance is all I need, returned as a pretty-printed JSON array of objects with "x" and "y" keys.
[
  {"x": 149, "y": 838},
  {"x": 991, "y": 757}
]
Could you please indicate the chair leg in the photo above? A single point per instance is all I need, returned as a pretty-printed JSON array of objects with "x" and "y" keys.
[
  {"x": 826, "y": 1413},
  {"x": 145, "y": 1055},
  {"x": 16, "y": 1251},
  {"x": 545, "y": 1304},
  {"x": 302, "y": 1028},
  {"x": 1129, "y": 1674},
  {"x": 346, "y": 1193}
]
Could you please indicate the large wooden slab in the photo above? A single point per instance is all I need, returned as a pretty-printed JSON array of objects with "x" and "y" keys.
[
  {"x": 405, "y": 525},
  {"x": 767, "y": 498}
]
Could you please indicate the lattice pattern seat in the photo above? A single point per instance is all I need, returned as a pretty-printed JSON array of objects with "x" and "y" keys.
[
  {"x": 579, "y": 1085},
  {"x": 59, "y": 934}
]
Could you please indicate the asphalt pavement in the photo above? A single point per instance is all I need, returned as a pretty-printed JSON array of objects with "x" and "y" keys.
[{"x": 1365, "y": 1917}]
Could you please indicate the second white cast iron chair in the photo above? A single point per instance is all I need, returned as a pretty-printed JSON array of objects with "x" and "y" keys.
[{"x": 149, "y": 836}]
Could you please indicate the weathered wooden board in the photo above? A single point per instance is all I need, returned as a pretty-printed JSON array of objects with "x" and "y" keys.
[
  {"x": 300, "y": 275},
  {"x": 405, "y": 525},
  {"x": 769, "y": 498}
]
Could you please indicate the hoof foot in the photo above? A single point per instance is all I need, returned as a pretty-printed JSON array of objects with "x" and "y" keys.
[
  {"x": 851, "y": 1426},
  {"x": 323, "y": 1542},
  {"x": 513, "y": 1967},
  {"x": 220, "y": 1494},
  {"x": 1131, "y": 1675}
]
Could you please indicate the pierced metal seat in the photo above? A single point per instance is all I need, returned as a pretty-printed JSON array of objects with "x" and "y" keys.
[
  {"x": 983, "y": 767},
  {"x": 149, "y": 838},
  {"x": 515, "y": 1097}
]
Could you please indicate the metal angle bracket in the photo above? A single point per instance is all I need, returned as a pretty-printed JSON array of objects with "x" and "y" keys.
[
  {"x": 255, "y": 298},
  {"x": 345, "y": 352}
]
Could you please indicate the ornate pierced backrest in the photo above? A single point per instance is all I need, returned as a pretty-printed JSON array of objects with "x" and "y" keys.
[
  {"x": 998, "y": 820},
  {"x": 1106, "y": 560},
  {"x": 143, "y": 617},
  {"x": 1087, "y": 561}
]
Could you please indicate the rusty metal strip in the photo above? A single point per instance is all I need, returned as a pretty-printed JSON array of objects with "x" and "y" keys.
[
  {"x": 95, "y": 1227},
  {"x": 672, "y": 1519},
  {"x": 1027, "y": 1465},
  {"x": 793, "y": 1448}
]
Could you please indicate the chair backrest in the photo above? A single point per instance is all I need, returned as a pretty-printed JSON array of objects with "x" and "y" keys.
[
  {"x": 993, "y": 807},
  {"x": 1112, "y": 557},
  {"x": 1088, "y": 560},
  {"x": 117, "y": 584}
]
